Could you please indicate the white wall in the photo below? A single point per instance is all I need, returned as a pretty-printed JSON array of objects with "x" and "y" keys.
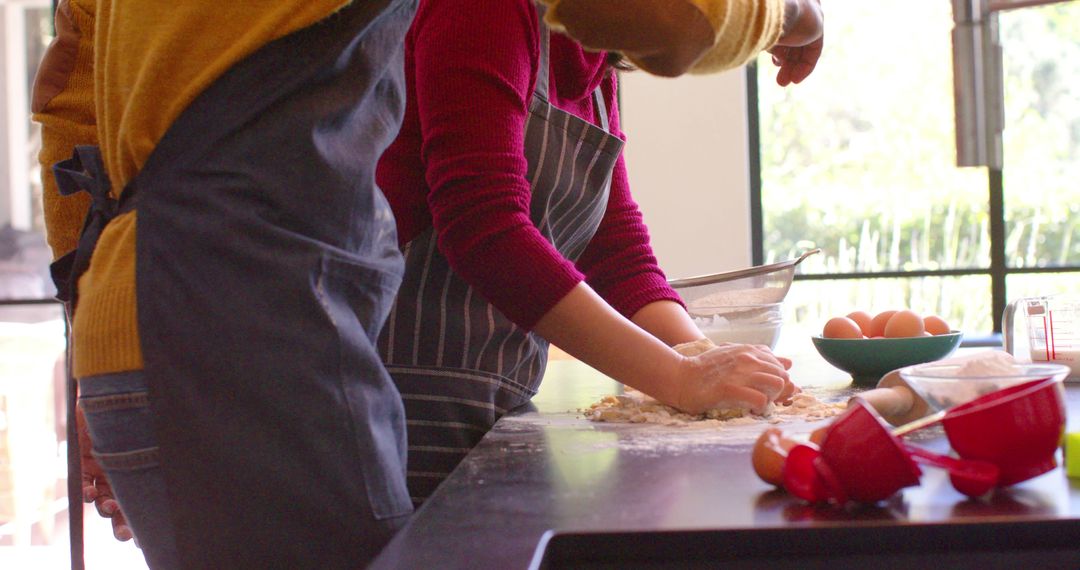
[{"x": 687, "y": 155}]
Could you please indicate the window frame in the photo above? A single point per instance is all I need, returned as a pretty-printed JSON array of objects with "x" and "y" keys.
[{"x": 998, "y": 270}]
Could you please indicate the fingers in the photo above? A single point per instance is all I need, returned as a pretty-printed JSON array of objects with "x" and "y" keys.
[
  {"x": 796, "y": 63},
  {"x": 95, "y": 487},
  {"x": 790, "y": 389},
  {"x": 736, "y": 375},
  {"x": 743, "y": 397},
  {"x": 759, "y": 357},
  {"x": 768, "y": 384},
  {"x": 105, "y": 501},
  {"x": 121, "y": 530},
  {"x": 756, "y": 367}
]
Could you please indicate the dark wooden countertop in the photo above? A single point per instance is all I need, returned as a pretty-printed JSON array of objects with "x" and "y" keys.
[{"x": 546, "y": 468}]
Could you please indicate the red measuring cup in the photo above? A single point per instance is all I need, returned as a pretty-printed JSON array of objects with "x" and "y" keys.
[{"x": 859, "y": 459}]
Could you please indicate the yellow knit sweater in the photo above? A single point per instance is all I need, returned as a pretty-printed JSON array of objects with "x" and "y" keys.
[
  {"x": 741, "y": 28},
  {"x": 158, "y": 59}
]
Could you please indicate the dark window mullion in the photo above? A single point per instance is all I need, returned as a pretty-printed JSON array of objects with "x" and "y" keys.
[
  {"x": 753, "y": 133},
  {"x": 998, "y": 267}
]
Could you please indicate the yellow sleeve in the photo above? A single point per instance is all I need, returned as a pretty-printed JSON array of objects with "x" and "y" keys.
[
  {"x": 743, "y": 29},
  {"x": 63, "y": 103}
]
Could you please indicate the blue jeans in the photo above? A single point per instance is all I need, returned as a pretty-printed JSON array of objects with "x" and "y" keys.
[{"x": 116, "y": 407}]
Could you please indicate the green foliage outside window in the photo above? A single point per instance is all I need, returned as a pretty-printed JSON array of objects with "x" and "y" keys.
[{"x": 859, "y": 160}]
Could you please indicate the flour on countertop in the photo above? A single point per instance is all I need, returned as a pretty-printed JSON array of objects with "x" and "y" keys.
[{"x": 635, "y": 407}]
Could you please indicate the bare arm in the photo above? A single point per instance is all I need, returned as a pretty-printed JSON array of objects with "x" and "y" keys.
[
  {"x": 667, "y": 321},
  {"x": 586, "y": 327}
]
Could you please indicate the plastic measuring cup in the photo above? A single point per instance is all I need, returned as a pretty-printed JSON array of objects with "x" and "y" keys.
[
  {"x": 858, "y": 459},
  {"x": 1046, "y": 328}
]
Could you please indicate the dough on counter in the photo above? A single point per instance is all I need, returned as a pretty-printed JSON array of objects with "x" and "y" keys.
[{"x": 636, "y": 407}]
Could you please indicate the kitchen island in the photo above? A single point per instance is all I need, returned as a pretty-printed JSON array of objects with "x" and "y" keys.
[{"x": 629, "y": 495}]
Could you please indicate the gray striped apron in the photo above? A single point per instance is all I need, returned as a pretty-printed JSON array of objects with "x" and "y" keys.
[{"x": 457, "y": 361}]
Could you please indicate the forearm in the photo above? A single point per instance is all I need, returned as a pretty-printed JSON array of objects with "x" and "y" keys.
[
  {"x": 663, "y": 37},
  {"x": 584, "y": 326},
  {"x": 667, "y": 321}
]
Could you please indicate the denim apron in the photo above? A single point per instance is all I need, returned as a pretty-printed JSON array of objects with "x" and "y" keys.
[
  {"x": 457, "y": 361},
  {"x": 266, "y": 264}
]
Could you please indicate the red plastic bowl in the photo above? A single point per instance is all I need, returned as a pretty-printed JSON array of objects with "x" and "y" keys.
[{"x": 1016, "y": 428}]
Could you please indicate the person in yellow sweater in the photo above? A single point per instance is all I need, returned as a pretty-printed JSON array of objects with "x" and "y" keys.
[
  {"x": 225, "y": 355},
  {"x": 222, "y": 158}
]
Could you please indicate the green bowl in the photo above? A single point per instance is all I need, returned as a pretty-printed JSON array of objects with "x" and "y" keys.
[{"x": 868, "y": 359}]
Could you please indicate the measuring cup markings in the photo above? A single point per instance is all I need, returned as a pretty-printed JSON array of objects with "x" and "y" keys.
[{"x": 1044, "y": 328}]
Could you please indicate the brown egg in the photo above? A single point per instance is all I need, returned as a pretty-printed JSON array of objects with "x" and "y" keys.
[
  {"x": 904, "y": 324},
  {"x": 877, "y": 325},
  {"x": 841, "y": 327},
  {"x": 770, "y": 451},
  {"x": 936, "y": 325},
  {"x": 863, "y": 319}
]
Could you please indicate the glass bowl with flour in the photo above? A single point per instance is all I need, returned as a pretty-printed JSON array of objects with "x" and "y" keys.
[
  {"x": 750, "y": 324},
  {"x": 947, "y": 383},
  {"x": 740, "y": 306}
]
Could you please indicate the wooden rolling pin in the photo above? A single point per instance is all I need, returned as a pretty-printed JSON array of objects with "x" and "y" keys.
[{"x": 895, "y": 400}]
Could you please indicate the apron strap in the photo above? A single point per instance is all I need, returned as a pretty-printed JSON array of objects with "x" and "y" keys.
[
  {"x": 542, "y": 67},
  {"x": 85, "y": 172},
  {"x": 543, "y": 70},
  {"x": 601, "y": 107}
]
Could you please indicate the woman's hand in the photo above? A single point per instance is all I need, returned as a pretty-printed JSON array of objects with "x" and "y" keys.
[
  {"x": 95, "y": 487},
  {"x": 799, "y": 47},
  {"x": 732, "y": 376}
]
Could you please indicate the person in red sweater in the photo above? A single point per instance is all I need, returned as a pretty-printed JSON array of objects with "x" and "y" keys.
[{"x": 518, "y": 229}]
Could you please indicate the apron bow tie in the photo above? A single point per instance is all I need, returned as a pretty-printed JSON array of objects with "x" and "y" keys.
[{"x": 84, "y": 172}]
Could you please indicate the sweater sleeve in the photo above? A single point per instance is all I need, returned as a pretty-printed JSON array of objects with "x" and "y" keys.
[
  {"x": 63, "y": 103},
  {"x": 741, "y": 28},
  {"x": 472, "y": 96},
  {"x": 619, "y": 262}
]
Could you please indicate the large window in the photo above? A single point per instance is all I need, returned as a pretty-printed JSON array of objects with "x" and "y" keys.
[{"x": 859, "y": 161}]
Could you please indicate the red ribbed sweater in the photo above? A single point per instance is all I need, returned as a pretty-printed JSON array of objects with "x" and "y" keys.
[{"x": 458, "y": 163}]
